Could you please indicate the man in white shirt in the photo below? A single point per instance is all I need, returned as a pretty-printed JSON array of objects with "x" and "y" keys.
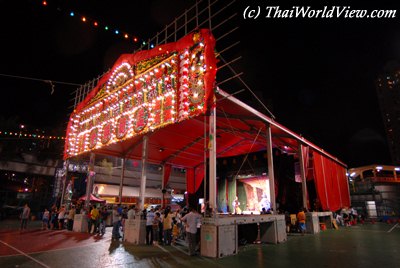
[
  {"x": 131, "y": 212},
  {"x": 25, "y": 216},
  {"x": 191, "y": 219},
  {"x": 149, "y": 226}
]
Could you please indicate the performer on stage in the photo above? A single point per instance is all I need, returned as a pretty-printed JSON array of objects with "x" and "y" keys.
[
  {"x": 264, "y": 203},
  {"x": 235, "y": 205}
]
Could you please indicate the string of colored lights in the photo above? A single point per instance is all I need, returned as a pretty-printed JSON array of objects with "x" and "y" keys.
[
  {"x": 100, "y": 25},
  {"x": 27, "y": 135}
]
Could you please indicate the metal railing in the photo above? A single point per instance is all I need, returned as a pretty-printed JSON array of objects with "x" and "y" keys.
[{"x": 210, "y": 14}]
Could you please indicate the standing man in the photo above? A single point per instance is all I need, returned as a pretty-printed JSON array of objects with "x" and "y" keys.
[
  {"x": 301, "y": 219},
  {"x": 116, "y": 223},
  {"x": 61, "y": 216},
  {"x": 25, "y": 216},
  {"x": 71, "y": 216},
  {"x": 103, "y": 219},
  {"x": 131, "y": 212},
  {"x": 95, "y": 215},
  {"x": 191, "y": 220},
  {"x": 149, "y": 227}
]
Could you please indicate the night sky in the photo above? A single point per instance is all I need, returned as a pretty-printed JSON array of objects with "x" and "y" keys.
[{"x": 315, "y": 75}]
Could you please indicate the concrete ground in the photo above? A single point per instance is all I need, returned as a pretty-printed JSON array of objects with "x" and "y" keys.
[{"x": 369, "y": 245}]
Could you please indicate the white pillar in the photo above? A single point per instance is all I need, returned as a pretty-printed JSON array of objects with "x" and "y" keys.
[
  {"x": 212, "y": 161},
  {"x": 121, "y": 182},
  {"x": 271, "y": 175},
  {"x": 144, "y": 171},
  {"x": 90, "y": 179}
]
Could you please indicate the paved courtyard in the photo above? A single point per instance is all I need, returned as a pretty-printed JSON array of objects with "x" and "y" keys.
[{"x": 368, "y": 245}]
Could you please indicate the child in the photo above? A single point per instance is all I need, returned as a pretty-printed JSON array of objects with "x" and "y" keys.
[
  {"x": 45, "y": 219},
  {"x": 175, "y": 232},
  {"x": 156, "y": 223}
]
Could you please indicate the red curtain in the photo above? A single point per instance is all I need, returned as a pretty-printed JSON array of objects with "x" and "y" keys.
[
  {"x": 343, "y": 185},
  {"x": 332, "y": 186},
  {"x": 319, "y": 180},
  {"x": 167, "y": 173},
  {"x": 194, "y": 178},
  {"x": 331, "y": 183}
]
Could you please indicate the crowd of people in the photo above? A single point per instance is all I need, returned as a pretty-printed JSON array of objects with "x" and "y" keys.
[
  {"x": 163, "y": 226},
  {"x": 52, "y": 219},
  {"x": 349, "y": 216},
  {"x": 296, "y": 222},
  {"x": 344, "y": 217}
]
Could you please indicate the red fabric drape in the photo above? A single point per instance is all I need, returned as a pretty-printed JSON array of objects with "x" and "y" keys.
[
  {"x": 332, "y": 186},
  {"x": 343, "y": 185},
  {"x": 190, "y": 180},
  {"x": 194, "y": 178},
  {"x": 331, "y": 183},
  {"x": 198, "y": 176},
  {"x": 167, "y": 173},
  {"x": 319, "y": 179}
]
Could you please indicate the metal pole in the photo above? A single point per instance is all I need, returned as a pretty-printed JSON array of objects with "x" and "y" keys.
[
  {"x": 209, "y": 15},
  {"x": 303, "y": 176},
  {"x": 66, "y": 163},
  {"x": 163, "y": 186},
  {"x": 205, "y": 160},
  {"x": 271, "y": 175},
  {"x": 144, "y": 171},
  {"x": 121, "y": 182},
  {"x": 323, "y": 173},
  {"x": 197, "y": 15},
  {"x": 213, "y": 161},
  {"x": 90, "y": 179}
]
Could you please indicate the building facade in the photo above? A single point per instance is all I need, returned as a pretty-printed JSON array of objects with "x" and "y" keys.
[
  {"x": 375, "y": 189},
  {"x": 388, "y": 91}
]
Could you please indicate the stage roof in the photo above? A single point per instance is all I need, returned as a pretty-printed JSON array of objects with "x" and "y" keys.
[{"x": 240, "y": 130}]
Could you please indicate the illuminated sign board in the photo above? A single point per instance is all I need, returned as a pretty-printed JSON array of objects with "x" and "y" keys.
[{"x": 144, "y": 92}]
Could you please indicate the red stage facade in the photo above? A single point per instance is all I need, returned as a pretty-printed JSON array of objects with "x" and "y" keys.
[
  {"x": 144, "y": 92},
  {"x": 164, "y": 102}
]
